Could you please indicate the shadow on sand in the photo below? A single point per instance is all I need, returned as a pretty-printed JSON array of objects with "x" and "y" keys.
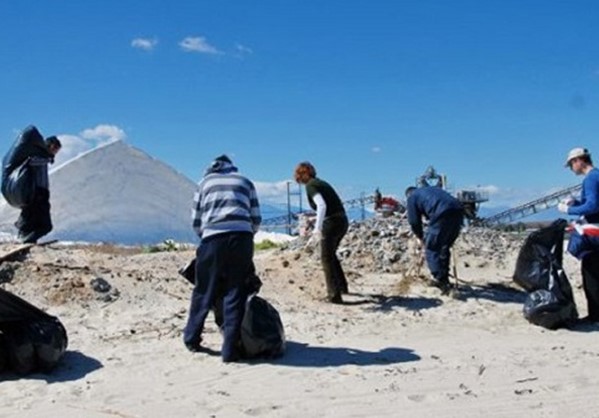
[
  {"x": 74, "y": 365},
  {"x": 496, "y": 292},
  {"x": 304, "y": 355},
  {"x": 380, "y": 302}
]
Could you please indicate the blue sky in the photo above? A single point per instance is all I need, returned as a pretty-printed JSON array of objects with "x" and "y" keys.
[{"x": 491, "y": 93}]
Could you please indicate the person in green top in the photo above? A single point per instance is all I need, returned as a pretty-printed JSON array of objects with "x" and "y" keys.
[{"x": 330, "y": 227}]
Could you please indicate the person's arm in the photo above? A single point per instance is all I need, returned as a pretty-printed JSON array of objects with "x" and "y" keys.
[
  {"x": 321, "y": 210},
  {"x": 414, "y": 218},
  {"x": 590, "y": 205}
]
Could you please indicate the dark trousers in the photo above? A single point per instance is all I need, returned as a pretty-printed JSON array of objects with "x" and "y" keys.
[
  {"x": 438, "y": 240},
  {"x": 334, "y": 229},
  {"x": 223, "y": 264},
  {"x": 590, "y": 283},
  {"x": 34, "y": 221}
]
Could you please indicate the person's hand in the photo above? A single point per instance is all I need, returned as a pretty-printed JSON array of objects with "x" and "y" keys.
[
  {"x": 315, "y": 238},
  {"x": 563, "y": 207}
]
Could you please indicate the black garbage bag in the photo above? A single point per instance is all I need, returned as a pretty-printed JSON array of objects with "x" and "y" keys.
[
  {"x": 550, "y": 303},
  {"x": 3, "y": 354},
  {"x": 262, "y": 332},
  {"x": 29, "y": 143},
  {"x": 533, "y": 265},
  {"x": 18, "y": 176},
  {"x": 35, "y": 346},
  {"x": 34, "y": 341},
  {"x": 554, "y": 307},
  {"x": 19, "y": 187}
]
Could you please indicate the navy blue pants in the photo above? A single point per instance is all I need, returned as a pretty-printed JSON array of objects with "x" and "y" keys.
[
  {"x": 223, "y": 265},
  {"x": 439, "y": 237}
]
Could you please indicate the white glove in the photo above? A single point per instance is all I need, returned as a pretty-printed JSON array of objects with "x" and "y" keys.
[
  {"x": 563, "y": 207},
  {"x": 315, "y": 237}
]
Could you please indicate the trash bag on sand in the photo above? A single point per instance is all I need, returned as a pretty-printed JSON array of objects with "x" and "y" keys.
[
  {"x": 30, "y": 339},
  {"x": 554, "y": 307},
  {"x": 550, "y": 303},
  {"x": 262, "y": 332}
]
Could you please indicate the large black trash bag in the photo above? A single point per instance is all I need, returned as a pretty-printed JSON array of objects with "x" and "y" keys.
[
  {"x": 3, "y": 353},
  {"x": 19, "y": 188},
  {"x": 262, "y": 332},
  {"x": 34, "y": 340},
  {"x": 539, "y": 270},
  {"x": 17, "y": 175},
  {"x": 34, "y": 346},
  {"x": 553, "y": 307},
  {"x": 533, "y": 265}
]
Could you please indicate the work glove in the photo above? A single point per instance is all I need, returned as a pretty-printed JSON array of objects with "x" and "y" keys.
[
  {"x": 315, "y": 238},
  {"x": 563, "y": 207}
]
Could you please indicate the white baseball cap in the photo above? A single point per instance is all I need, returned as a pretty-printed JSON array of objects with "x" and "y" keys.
[{"x": 576, "y": 153}]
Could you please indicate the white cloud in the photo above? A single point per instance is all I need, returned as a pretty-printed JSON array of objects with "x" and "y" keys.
[
  {"x": 88, "y": 139},
  {"x": 490, "y": 189},
  {"x": 242, "y": 49},
  {"x": 274, "y": 192},
  {"x": 146, "y": 44},
  {"x": 104, "y": 133},
  {"x": 198, "y": 44}
]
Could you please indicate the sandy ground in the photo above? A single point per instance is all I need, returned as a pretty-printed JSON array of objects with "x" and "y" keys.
[{"x": 396, "y": 348}]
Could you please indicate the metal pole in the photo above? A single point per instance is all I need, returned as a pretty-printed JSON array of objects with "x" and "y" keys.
[
  {"x": 288, "y": 210},
  {"x": 362, "y": 205}
]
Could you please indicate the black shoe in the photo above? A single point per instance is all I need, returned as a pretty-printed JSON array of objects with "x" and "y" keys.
[
  {"x": 194, "y": 348},
  {"x": 588, "y": 320},
  {"x": 232, "y": 357},
  {"x": 445, "y": 287},
  {"x": 335, "y": 299},
  {"x": 201, "y": 349}
]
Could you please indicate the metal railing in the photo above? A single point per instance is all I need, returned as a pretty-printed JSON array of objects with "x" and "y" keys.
[{"x": 530, "y": 208}]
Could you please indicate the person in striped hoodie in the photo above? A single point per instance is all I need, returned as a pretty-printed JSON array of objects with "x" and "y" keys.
[{"x": 226, "y": 214}]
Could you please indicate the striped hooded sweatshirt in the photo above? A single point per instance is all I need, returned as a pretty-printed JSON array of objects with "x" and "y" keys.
[{"x": 225, "y": 201}]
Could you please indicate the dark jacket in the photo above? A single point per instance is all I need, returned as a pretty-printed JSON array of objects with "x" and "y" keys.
[{"x": 432, "y": 203}]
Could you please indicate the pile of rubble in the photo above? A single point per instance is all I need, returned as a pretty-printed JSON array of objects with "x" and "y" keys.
[{"x": 387, "y": 245}]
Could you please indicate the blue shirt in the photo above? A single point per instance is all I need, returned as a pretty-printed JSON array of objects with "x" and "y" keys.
[{"x": 588, "y": 206}]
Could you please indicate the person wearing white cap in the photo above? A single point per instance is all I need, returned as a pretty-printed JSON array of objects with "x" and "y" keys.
[{"x": 583, "y": 242}]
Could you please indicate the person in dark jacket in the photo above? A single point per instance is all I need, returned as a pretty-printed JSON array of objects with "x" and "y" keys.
[
  {"x": 330, "y": 227},
  {"x": 226, "y": 215},
  {"x": 445, "y": 217},
  {"x": 584, "y": 241},
  {"x": 31, "y": 150}
]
